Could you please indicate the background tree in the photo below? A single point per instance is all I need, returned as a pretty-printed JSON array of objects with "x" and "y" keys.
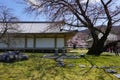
[
  {"x": 7, "y": 24},
  {"x": 81, "y": 13}
]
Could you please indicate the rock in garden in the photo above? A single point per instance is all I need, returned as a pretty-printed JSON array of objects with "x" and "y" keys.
[
  {"x": 11, "y": 56},
  {"x": 60, "y": 62},
  {"x": 105, "y": 67},
  {"x": 117, "y": 75},
  {"x": 71, "y": 65},
  {"x": 110, "y": 71},
  {"x": 82, "y": 55},
  {"x": 82, "y": 66}
]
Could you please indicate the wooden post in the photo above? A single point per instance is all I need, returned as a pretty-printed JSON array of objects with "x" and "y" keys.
[
  {"x": 55, "y": 41},
  {"x": 65, "y": 40},
  {"x": 8, "y": 46},
  {"x": 25, "y": 41},
  {"x": 34, "y": 42}
]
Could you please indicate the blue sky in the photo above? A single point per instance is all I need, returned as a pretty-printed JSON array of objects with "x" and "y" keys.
[{"x": 18, "y": 10}]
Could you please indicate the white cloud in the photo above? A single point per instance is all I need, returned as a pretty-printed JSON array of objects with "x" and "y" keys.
[
  {"x": 33, "y": 1},
  {"x": 92, "y": 1}
]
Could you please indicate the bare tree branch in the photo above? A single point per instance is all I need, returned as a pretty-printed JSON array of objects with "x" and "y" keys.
[
  {"x": 87, "y": 5},
  {"x": 79, "y": 13},
  {"x": 5, "y": 26}
]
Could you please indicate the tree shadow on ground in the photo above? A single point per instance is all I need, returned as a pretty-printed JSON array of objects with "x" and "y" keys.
[{"x": 95, "y": 66}]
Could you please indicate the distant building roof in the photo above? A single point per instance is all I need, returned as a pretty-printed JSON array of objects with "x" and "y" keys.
[{"x": 111, "y": 37}]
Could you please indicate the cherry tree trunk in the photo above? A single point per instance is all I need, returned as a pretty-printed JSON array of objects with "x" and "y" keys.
[{"x": 97, "y": 48}]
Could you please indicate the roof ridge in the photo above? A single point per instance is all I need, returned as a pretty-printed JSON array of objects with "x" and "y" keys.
[{"x": 31, "y": 22}]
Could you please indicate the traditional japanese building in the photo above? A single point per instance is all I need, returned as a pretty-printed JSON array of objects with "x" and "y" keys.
[{"x": 35, "y": 36}]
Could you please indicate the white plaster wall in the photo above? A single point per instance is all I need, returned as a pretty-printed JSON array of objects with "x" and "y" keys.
[
  {"x": 18, "y": 43},
  {"x": 3, "y": 45},
  {"x": 30, "y": 42},
  {"x": 60, "y": 42},
  {"x": 45, "y": 43}
]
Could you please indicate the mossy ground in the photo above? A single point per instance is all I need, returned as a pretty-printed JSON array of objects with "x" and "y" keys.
[{"x": 38, "y": 68}]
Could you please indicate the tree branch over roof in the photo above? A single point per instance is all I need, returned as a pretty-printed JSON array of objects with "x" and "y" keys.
[
  {"x": 5, "y": 17},
  {"x": 83, "y": 13}
]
